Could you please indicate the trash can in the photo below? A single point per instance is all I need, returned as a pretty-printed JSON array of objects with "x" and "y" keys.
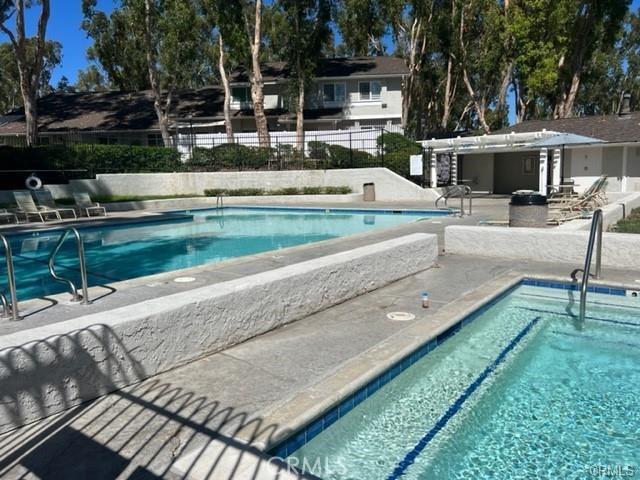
[
  {"x": 528, "y": 209},
  {"x": 369, "y": 192}
]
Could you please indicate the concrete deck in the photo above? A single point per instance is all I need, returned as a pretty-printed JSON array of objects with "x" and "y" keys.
[
  {"x": 57, "y": 308},
  {"x": 247, "y": 391}
]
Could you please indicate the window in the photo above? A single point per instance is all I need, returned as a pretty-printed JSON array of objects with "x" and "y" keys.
[
  {"x": 240, "y": 95},
  {"x": 333, "y": 93},
  {"x": 369, "y": 91}
]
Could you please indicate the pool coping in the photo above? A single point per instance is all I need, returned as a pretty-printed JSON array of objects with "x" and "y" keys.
[{"x": 311, "y": 409}]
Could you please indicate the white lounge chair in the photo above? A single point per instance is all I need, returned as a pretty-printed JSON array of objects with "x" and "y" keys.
[
  {"x": 45, "y": 199},
  {"x": 8, "y": 216},
  {"x": 28, "y": 208},
  {"x": 86, "y": 205}
]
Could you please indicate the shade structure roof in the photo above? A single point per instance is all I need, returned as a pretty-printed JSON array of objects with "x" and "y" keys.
[{"x": 564, "y": 139}]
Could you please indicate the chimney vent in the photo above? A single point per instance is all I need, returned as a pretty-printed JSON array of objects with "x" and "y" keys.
[{"x": 625, "y": 105}]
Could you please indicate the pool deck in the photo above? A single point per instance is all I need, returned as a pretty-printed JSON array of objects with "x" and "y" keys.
[
  {"x": 206, "y": 419},
  {"x": 56, "y": 308}
]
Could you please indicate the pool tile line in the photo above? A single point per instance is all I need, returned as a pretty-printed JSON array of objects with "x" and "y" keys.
[
  {"x": 564, "y": 314},
  {"x": 311, "y": 430},
  {"x": 574, "y": 286},
  {"x": 453, "y": 409}
]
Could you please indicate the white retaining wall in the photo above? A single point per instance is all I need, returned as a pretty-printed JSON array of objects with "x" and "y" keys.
[
  {"x": 389, "y": 186},
  {"x": 47, "y": 369},
  {"x": 543, "y": 245}
]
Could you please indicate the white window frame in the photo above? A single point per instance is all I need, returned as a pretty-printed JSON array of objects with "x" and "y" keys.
[
  {"x": 370, "y": 98},
  {"x": 240, "y": 104},
  {"x": 334, "y": 101}
]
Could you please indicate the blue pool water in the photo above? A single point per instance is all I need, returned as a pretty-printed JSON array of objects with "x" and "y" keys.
[
  {"x": 522, "y": 391},
  {"x": 116, "y": 253}
]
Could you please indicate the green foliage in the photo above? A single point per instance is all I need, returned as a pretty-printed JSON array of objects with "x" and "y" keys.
[
  {"x": 631, "y": 224},
  {"x": 93, "y": 158},
  {"x": 251, "y": 192},
  {"x": 342, "y": 157},
  {"x": 393, "y": 142},
  {"x": 318, "y": 150},
  {"x": 230, "y": 156}
]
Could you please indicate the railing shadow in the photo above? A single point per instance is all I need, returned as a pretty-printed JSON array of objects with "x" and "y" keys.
[{"x": 135, "y": 432}]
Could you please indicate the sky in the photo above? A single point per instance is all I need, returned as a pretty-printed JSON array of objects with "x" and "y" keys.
[{"x": 64, "y": 26}]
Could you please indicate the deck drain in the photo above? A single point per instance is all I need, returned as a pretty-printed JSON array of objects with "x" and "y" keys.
[
  {"x": 184, "y": 279},
  {"x": 400, "y": 316}
]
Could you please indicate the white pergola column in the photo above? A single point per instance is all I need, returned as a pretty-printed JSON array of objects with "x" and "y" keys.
[
  {"x": 454, "y": 168},
  {"x": 625, "y": 168},
  {"x": 433, "y": 172},
  {"x": 556, "y": 172},
  {"x": 542, "y": 179}
]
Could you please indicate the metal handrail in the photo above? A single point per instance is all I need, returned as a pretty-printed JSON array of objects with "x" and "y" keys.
[
  {"x": 83, "y": 267},
  {"x": 595, "y": 235},
  {"x": 464, "y": 191},
  {"x": 9, "y": 308},
  {"x": 219, "y": 201}
]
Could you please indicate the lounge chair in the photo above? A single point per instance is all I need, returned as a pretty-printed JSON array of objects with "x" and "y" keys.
[
  {"x": 564, "y": 207},
  {"x": 8, "y": 216},
  {"x": 45, "y": 199},
  {"x": 28, "y": 208},
  {"x": 86, "y": 205}
]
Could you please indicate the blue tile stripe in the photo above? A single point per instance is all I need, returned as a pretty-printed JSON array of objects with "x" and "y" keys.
[
  {"x": 565, "y": 314},
  {"x": 410, "y": 458},
  {"x": 574, "y": 286},
  {"x": 305, "y": 435},
  {"x": 371, "y": 211}
]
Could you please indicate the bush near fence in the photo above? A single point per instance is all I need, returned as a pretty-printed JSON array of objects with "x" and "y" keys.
[{"x": 93, "y": 158}]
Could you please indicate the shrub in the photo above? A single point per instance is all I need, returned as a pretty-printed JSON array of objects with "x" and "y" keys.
[
  {"x": 318, "y": 150},
  {"x": 214, "y": 192},
  {"x": 229, "y": 156},
  {"x": 94, "y": 158},
  {"x": 394, "y": 142},
  {"x": 311, "y": 190},
  {"x": 341, "y": 190},
  {"x": 245, "y": 192},
  {"x": 342, "y": 157},
  {"x": 285, "y": 191}
]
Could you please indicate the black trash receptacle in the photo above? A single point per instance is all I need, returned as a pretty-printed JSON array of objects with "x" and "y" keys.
[
  {"x": 528, "y": 209},
  {"x": 369, "y": 192}
]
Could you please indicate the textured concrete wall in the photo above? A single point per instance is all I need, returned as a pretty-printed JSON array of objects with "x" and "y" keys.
[
  {"x": 47, "y": 369},
  {"x": 542, "y": 245},
  {"x": 389, "y": 186}
]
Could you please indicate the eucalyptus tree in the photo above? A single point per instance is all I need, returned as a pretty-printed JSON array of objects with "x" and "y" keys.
[
  {"x": 363, "y": 24},
  {"x": 29, "y": 53},
  {"x": 300, "y": 32}
]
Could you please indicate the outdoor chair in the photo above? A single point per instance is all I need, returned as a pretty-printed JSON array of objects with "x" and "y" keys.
[
  {"x": 28, "y": 208},
  {"x": 86, "y": 205},
  {"x": 8, "y": 216},
  {"x": 563, "y": 208},
  {"x": 45, "y": 199}
]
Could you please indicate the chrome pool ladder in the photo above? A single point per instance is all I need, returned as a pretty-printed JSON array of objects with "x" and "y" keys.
[
  {"x": 463, "y": 190},
  {"x": 9, "y": 308},
  {"x": 76, "y": 297},
  {"x": 595, "y": 241},
  {"x": 220, "y": 201}
]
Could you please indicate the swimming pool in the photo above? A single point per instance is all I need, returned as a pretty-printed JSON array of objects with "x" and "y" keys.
[
  {"x": 187, "y": 239},
  {"x": 518, "y": 390}
]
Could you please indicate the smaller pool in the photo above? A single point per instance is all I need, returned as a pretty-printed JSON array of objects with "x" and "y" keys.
[
  {"x": 520, "y": 389},
  {"x": 191, "y": 238}
]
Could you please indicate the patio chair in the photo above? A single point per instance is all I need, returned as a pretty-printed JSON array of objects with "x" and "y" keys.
[
  {"x": 45, "y": 199},
  {"x": 28, "y": 208},
  {"x": 8, "y": 216},
  {"x": 564, "y": 208},
  {"x": 86, "y": 205}
]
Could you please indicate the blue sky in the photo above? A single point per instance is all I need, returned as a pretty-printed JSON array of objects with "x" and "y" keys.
[{"x": 64, "y": 26}]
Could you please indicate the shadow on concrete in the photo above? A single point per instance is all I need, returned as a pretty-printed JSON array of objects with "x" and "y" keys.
[{"x": 137, "y": 432}]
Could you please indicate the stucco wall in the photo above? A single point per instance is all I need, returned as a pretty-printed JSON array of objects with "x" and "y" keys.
[
  {"x": 543, "y": 245},
  {"x": 389, "y": 186},
  {"x": 479, "y": 169},
  {"x": 47, "y": 369},
  {"x": 509, "y": 172}
]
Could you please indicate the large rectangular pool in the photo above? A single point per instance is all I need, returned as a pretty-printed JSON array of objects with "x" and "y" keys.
[
  {"x": 521, "y": 389},
  {"x": 121, "y": 252}
]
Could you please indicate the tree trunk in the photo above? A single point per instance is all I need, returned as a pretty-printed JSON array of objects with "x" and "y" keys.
[
  {"x": 227, "y": 92},
  {"x": 449, "y": 95},
  {"x": 162, "y": 112},
  {"x": 257, "y": 93},
  {"x": 29, "y": 74},
  {"x": 300, "y": 117}
]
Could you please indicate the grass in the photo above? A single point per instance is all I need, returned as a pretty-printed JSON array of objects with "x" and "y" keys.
[{"x": 631, "y": 224}]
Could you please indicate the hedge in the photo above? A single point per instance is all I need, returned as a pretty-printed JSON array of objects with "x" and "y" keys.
[
  {"x": 94, "y": 158},
  {"x": 229, "y": 156}
]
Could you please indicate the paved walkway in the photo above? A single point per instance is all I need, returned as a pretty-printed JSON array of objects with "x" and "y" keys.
[{"x": 140, "y": 431}]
